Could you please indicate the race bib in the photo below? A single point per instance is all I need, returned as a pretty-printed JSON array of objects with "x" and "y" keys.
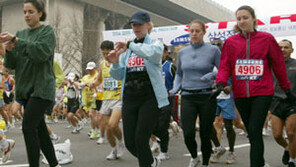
[
  {"x": 249, "y": 69},
  {"x": 136, "y": 64},
  {"x": 110, "y": 84}
]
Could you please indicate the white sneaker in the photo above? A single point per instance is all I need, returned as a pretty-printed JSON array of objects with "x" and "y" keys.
[
  {"x": 156, "y": 162},
  {"x": 75, "y": 131},
  {"x": 101, "y": 140},
  {"x": 68, "y": 126},
  {"x": 79, "y": 127},
  {"x": 120, "y": 149},
  {"x": 217, "y": 154},
  {"x": 266, "y": 165},
  {"x": 175, "y": 128},
  {"x": 265, "y": 132},
  {"x": 112, "y": 155},
  {"x": 55, "y": 120},
  {"x": 163, "y": 156},
  {"x": 197, "y": 127},
  {"x": 7, "y": 151},
  {"x": 155, "y": 147},
  {"x": 194, "y": 162},
  {"x": 54, "y": 138},
  {"x": 242, "y": 133},
  {"x": 231, "y": 157}
]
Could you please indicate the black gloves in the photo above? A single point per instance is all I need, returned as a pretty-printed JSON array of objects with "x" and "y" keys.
[
  {"x": 216, "y": 93},
  {"x": 290, "y": 97}
]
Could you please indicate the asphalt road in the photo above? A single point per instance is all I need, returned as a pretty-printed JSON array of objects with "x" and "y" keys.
[{"x": 89, "y": 154}]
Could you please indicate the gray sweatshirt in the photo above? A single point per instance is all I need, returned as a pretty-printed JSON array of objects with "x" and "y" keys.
[
  {"x": 291, "y": 72},
  {"x": 194, "y": 61}
]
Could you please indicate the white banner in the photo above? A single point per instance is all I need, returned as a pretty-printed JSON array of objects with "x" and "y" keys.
[{"x": 284, "y": 25}]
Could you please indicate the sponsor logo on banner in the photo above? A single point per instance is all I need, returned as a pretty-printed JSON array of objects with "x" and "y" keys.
[{"x": 181, "y": 40}]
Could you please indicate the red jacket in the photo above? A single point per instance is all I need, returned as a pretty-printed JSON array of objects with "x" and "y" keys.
[{"x": 248, "y": 60}]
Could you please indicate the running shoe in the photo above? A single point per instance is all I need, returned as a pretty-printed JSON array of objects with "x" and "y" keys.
[
  {"x": 163, "y": 156},
  {"x": 242, "y": 133},
  {"x": 197, "y": 127},
  {"x": 291, "y": 164},
  {"x": 156, "y": 162},
  {"x": 112, "y": 155},
  {"x": 218, "y": 152},
  {"x": 55, "y": 120},
  {"x": 92, "y": 135},
  {"x": 266, "y": 165},
  {"x": 230, "y": 158},
  {"x": 68, "y": 126},
  {"x": 79, "y": 127},
  {"x": 75, "y": 131},
  {"x": 120, "y": 149},
  {"x": 194, "y": 162},
  {"x": 286, "y": 157},
  {"x": 175, "y": 128},
  {"x": 98, "y": 134},
  {"x": 54, "y": 138},
  {"x": 7, "y": 151},
  {"x": 155, "y": 147},
  {"x": 101, "y": 140},
  {"x": 265, "y": 132}
]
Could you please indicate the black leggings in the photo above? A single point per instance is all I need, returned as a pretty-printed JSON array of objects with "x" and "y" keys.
[
  {"x": 230, "y": 134},
  {"x": 35, "y": 132},
  {"x": 162, "y": 129},
  {"x": 191, "y": 106},
  {"x": 139, "y": 117},
  {"x": 253, "y": 111}
]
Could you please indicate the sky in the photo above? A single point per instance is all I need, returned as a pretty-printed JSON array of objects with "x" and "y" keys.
[{"x": 265, "y": 8}]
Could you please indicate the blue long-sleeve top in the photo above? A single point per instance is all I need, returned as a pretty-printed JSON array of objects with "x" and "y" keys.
[
  {"x": 151, "y": 50},
  {"x": 194, "y": 61}
]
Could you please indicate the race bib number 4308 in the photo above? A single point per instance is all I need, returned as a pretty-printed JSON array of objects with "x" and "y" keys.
[{"x": 249, "y": 69}]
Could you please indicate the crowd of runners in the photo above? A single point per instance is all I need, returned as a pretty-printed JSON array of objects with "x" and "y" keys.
[{"x": 247, "y": 82}]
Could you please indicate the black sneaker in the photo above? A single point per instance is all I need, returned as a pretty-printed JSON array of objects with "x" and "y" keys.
[
  {"x": 291, "y": 164},
  {"x": 286, "y": 157}
]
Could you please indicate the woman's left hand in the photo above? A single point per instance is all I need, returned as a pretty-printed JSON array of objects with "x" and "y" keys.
[{"x": 5, "y": 37}]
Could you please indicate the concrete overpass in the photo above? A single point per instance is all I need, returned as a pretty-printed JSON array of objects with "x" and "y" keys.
[{"x": 79, "y": 23}]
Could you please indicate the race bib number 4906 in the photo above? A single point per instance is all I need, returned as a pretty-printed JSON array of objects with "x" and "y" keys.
[{"x": 248, "y": 69}]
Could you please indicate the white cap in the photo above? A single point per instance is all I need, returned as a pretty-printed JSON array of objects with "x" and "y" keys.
[
  {"x": 71, "y": 76},
  {"x": 90, "y": 65}
]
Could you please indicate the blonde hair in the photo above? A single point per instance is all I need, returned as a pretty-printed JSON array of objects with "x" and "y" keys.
[{"x": 150, "y": 26}]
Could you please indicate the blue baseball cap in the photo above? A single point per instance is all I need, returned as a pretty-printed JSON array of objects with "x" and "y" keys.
[{"x": 140, "y": 17}]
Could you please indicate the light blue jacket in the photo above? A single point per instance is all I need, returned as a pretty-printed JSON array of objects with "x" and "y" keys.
[{"x": 151, "y": 50}]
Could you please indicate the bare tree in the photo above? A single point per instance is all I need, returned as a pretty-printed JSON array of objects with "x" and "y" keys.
[{"x": 69, "y": 42}]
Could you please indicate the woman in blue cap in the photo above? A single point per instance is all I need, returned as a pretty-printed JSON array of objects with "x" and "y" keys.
[{"x": 138, "y": 64}]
